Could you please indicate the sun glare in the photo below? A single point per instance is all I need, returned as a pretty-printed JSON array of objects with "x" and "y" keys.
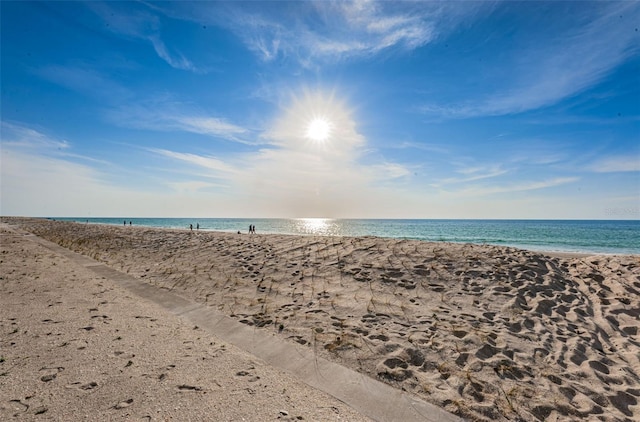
[{"x": 319, "y": 129}]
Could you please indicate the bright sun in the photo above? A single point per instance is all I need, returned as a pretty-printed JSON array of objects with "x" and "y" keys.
[{"x": 319, "y": 129}]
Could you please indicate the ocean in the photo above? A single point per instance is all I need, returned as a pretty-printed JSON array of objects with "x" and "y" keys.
[{"x": 584, "y": 236}]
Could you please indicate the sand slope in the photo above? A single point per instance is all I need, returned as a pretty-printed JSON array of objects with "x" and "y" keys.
[{"x": 489, "y": 333}]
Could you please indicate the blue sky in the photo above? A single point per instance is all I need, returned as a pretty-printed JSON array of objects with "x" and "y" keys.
[{"x": 431, "y": 109}]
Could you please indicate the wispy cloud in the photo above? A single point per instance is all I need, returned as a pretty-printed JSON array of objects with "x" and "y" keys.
[
  {"x": 391, "y": 171},
  {"x": 516, "y": 187},
  {"x": 572, "y": 62},
  {"x": 472, "y": 174},
  {"x": 617, "y": 164},
  {"x": 18, "y": 136},
  {"x": 192, "y": 186},
  {"x": 176, "y": 60},
  {"x": 210, "y": 126},
  {"x": 423, "y": 146},
  {"x": 141, "y": 24},
  {"x": 37, "y": 171},
  {"x": 167, "y": 115},
  {"x": 84, "y": 79},
  {"x": 217, "y": 167},
  {"x": 313, "y": 32},
  {"x": 41, "y": 175}
]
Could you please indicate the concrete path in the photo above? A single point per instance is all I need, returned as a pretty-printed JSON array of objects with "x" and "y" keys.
[{"x": 372, "y": 398}]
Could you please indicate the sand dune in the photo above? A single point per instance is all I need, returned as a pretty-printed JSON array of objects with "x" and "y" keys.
[{"x": 486, "y": 332}]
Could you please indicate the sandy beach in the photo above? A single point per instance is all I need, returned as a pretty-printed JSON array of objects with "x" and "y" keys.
[
  {"x": 485, "y": 332},
  {"x": 76, "y": 346}
]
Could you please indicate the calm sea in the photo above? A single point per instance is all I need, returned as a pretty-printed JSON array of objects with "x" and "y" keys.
[{"x": 590, "y": 236}]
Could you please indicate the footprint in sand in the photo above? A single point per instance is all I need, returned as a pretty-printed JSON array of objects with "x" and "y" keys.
[
  {"x": 252, "y": 377},
  {"x": 123, "y": 404},
  {"x": 88, "y": 386},
  {"x": 185, "y": 387},
  {"x": 18, "y": 405},
  {"x": 75, "y": 343},
  {"x": 622, "y": 400},
  {"x": 52, "y": 373},
  {"x": 48, "y": 377}
]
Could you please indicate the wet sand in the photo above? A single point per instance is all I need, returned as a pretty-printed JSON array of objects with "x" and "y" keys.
[{"x": 486, "y": 332}]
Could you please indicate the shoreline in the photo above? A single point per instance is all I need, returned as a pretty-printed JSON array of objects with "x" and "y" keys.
[
  {"x": 559, "y": 253},
  {"x": 485, "y": 332}
]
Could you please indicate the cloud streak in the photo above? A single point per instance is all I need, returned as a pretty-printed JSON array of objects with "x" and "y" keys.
[
  {"x": 617, "y": 164},
  {"x": 143, "y": 25},
  {"x": 517, "y": 187},
  {"x": 85, "y": 80},
  {"x": 23, "y": 139},
  {"x": 312, "y": 33},
  {"x": 570, "y": 63},
  {"x": 18, "y": 136},
  {"x": 472, "y": 174},
  {"x": 216, "y": 167},
  {"x": 166, "y": 115}
]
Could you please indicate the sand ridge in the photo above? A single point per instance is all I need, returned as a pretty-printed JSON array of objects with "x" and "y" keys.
[{"x": 489, "y": 333}]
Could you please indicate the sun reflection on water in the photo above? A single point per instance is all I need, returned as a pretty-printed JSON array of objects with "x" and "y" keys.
[{"x": 317, "y": 226}]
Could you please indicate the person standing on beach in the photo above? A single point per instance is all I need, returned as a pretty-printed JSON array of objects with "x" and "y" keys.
[
  {"x": 191, "y": 227},
  {"x": 197, "y": 226}
]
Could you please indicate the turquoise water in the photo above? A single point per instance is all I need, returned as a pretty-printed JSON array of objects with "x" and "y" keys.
[{"x": 590, "y": 236}]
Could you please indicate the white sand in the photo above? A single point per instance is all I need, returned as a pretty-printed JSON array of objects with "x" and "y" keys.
[{"x": 489, "y": 333}]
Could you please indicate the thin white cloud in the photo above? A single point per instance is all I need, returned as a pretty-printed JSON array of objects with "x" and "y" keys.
[
  {"x": 617, "y": 164},
  {"x": 210, "y": 125},
  {"x": 141, "y": 24},
  {"x": 472, "y": 174},
  {"x": 429, "y": 147},
  {"x": 547, "y": 73},
  {"x": 218, "y": 167},
  {"x": 41, "y": 176},
  {"x": 85, "y": 80},
  {"x": 36, "y": 185},
  {"x": 177, "y": 61},
  {"x": 34, "y": 182},
  {"x": 368, "y": 28},
  {"x": 517, "y": 187},
  {"x": 391, "y": 171},
  {"x": 166, "y": 115},
  {"x": 18, "y": 136},
  {"x": 192, "y": 187},
  {"x": 320, "y": 31}
]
